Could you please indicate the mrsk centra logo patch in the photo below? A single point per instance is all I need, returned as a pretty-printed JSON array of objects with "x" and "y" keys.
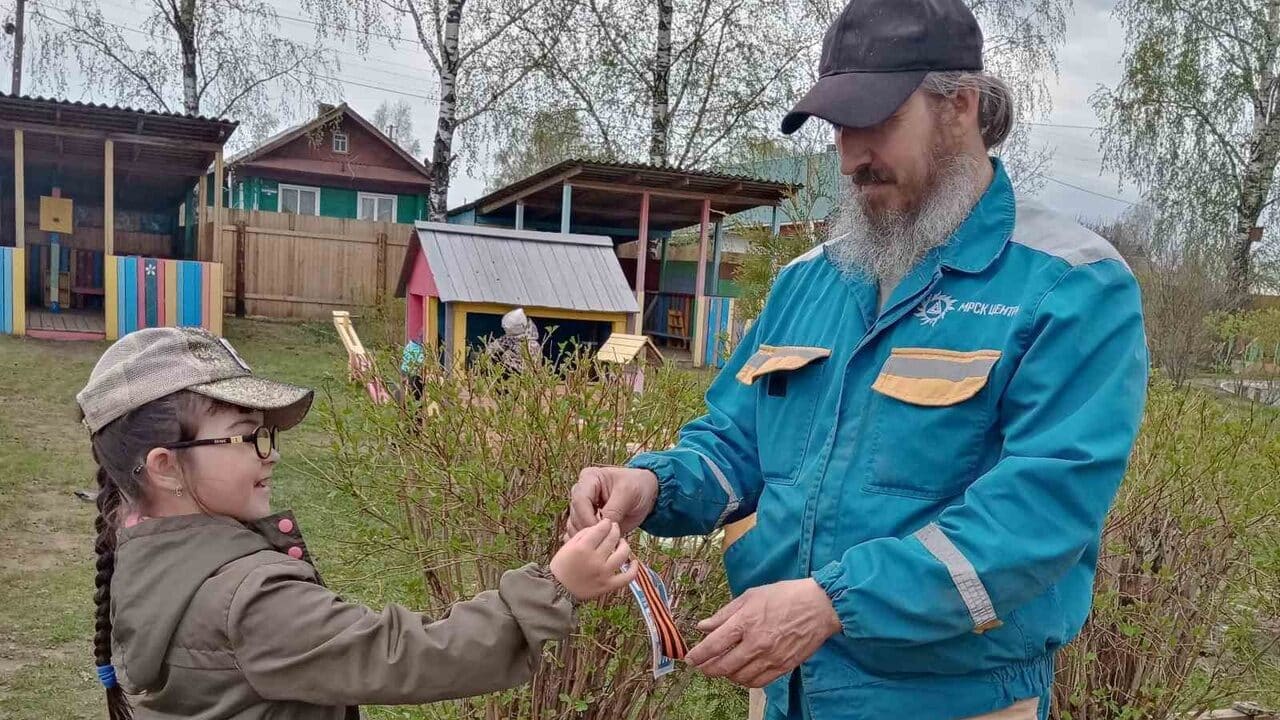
[{"x": 938, "y": 305}]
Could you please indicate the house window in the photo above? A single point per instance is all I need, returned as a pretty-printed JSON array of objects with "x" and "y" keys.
[
  {"x": 340, "y": 142},
  {"x": 299, "y": 200},
  {"x": 377, "y": 207}
]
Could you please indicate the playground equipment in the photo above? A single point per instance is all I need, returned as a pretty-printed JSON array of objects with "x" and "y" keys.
[
  {"x": 633, "y": 353},
  {"x": 358, "y": 361}
]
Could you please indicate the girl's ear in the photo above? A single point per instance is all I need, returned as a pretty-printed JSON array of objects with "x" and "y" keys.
[{"x": 163, "y": 470}]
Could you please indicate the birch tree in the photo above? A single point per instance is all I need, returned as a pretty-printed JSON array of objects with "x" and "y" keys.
[
  {"x": 222, "y": 58},
  {"x": 1194, "y": 119},
  {"x": 479, "y": 52},
  {"x": 679, "y": 82}
]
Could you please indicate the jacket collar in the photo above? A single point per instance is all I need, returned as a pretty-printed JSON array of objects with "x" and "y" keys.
[
  {"x": 983, "y": 235},
  {"x": 280, "y": 530}
]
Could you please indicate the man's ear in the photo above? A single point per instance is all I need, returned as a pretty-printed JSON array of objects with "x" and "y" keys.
[{"x": 965, "y": 104}]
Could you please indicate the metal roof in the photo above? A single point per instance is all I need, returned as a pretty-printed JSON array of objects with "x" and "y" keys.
[
  {"x": 817, "y": 179},
  {"x": 115, "y": 118},
  {"x": 525, "y": 268},
  {"x": 607, "y": 194},
  {"x": 157, "y": 156}
]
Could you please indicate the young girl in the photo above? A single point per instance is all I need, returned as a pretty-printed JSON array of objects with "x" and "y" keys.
[{"x": 208, "y": 605}]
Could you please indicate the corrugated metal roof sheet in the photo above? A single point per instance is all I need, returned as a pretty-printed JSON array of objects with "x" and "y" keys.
[
  {"x": 752, "y": 190},
  {"x": 818, "y": 174},
  {"x": 525, "y": 268},
  {"x": 121, "y": 108}
]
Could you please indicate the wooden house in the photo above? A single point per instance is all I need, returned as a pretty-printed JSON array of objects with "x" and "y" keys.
[{"x": 338, "y": 165}]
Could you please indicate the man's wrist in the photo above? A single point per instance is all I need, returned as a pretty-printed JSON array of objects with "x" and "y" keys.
[{"x": 829, "y": 581}]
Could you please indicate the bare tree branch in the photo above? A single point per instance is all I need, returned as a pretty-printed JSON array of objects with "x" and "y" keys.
[
  {"x": 701, "y": 156},
  {"x": 515, "y": 17},
  {"x": 248, "y": 89},
  {"x": 603, "y": 26},
  {"x": 100, "y": 44},
  {"x": 431, "y": 50}
]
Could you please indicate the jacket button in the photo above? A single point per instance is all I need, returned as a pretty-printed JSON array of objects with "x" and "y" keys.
[
  {"x": 295, "y": 552},
  {"x": 285, "y": 525}
]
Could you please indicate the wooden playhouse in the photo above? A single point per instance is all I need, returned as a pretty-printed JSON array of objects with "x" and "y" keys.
[
  {"x": 459, "y": 280},
  {"x": 97, "y": 238}
]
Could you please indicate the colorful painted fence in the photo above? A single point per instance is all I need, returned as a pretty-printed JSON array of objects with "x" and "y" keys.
[
  {"x": 721, "y": 329},
  {"x": 151, "y": 292},
  {"x": 13, "y": 291}
]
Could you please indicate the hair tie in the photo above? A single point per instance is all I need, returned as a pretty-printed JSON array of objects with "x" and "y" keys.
[{"x": 107, "y": 674}]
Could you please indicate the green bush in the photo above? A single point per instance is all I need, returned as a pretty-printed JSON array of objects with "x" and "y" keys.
[
  {"x": 451, "y": 492},
  {"x": 1186, "y": 596},
  {"x": 441, "y": 497}
]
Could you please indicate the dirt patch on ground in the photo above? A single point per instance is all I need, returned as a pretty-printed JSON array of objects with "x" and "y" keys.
[
  {"x": 14, "y": 658},
  {"x": 52, "y": 528}
]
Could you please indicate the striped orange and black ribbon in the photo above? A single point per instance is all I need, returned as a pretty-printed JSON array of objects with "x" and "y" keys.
[{"x": 672, "y": 644}]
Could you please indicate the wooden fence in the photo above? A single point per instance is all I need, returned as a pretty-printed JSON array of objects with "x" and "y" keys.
[
  {"x": 293, "y": 266},
  {"x": 154, "y": 292}
]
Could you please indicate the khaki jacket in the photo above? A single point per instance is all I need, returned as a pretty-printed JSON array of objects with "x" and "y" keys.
[{"x": 213, "y": 619}]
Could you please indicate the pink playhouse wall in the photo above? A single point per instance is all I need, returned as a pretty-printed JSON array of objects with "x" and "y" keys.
[{"x": 422, "y": 284}]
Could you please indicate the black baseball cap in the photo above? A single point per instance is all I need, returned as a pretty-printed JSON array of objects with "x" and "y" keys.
[{"x": 877, "y": 52}]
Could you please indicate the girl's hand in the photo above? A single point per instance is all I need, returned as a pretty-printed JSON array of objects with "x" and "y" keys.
[{"x": 589, "y": 564}]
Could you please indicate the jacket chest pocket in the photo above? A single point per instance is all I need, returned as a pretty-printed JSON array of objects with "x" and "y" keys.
[
  {"x": 788, "y": 381},
  {"x": 928, "y": 420}
]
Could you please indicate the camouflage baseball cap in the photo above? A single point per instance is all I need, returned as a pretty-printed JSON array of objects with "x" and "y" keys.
[{"x": 149, "y": 364}]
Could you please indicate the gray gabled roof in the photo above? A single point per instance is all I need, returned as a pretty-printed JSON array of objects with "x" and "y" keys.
[{"x": 525, "y": 268}]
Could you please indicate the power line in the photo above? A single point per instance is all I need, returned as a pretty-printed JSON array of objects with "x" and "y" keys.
[
  {"x": 357, "y": 83},
  {"x": 1087, "y": 190},
  {"x": 1058, "y": 125}
]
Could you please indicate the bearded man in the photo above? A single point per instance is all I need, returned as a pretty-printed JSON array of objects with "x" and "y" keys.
[{"x": 916, "y": 444}]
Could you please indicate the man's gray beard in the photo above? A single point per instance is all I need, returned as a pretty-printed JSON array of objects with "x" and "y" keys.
[{"x": 885, "y": 247}]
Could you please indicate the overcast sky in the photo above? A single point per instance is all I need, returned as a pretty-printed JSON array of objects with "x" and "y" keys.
[{"x": 1089, "y": 58}]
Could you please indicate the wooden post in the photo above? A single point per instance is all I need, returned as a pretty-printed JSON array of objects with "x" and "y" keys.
[
  {"x": 776, "y": 226},
  {"x": 431, "y": 325},
  {"x": 109, "y": 199},
  {"x": 380, "y": 291},
  {"x": 566, "y": 201},
  {"x": 715, "y": 257},
  {"x": 240, "y": 249},
  {"x": 212, "y": 252},
  {"x": 202, "y": 215},
  {"x": 19, "y": 191},
  {"x": 698, "y": 328},
  {"x": 519, "y": 214},
  {"x": 458, "y": 334},
  {"x": 642, "y": 259},
  {"x": 662, "y": 263}
]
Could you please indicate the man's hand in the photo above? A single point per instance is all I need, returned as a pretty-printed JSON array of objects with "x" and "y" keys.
[
  {"x": 623, "y": 495},
  {"x": 765, "y": 633}
]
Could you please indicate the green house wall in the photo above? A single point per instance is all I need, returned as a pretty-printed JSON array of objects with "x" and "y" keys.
[{"x": 264, "y": 194}]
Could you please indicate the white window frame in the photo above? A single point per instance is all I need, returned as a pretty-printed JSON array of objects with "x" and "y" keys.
[
  {"x": 360, "y": 198},
  {"x": 346, "y": 142},
  {"x": 299, "y": 189}
]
